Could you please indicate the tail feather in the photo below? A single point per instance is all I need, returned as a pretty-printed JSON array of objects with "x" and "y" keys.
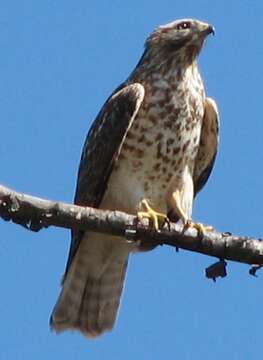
[
  {"x": 101, "y": 301},
  {"x": 92, "y": 289}
]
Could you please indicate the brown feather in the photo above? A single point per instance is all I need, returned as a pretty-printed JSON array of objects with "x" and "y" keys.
[{"x": 208, "y": 145}]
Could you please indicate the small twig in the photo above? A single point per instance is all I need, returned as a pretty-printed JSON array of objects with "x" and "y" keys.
[{"x": 253, "y": 270}]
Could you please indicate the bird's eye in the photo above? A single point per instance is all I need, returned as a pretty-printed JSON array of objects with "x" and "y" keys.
[{"x": 184, "y": 25}]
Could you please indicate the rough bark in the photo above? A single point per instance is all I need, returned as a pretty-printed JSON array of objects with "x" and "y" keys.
[{"x": 35, "y": 213}]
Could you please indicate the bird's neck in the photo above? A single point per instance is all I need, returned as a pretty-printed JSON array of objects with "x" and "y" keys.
[{"x": 160, "y": 62}]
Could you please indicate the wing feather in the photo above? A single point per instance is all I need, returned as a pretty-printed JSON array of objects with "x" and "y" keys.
[
  {"x": 208, "y": 145},
  {"x": 101, "y": 149}
]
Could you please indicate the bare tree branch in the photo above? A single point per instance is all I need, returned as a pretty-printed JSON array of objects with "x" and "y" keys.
[{"x": 34, "y": 214}]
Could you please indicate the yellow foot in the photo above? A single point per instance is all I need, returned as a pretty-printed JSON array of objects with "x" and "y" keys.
[
  {"x": 157, "y": 219},
  {"x": 199, "y": 227}
]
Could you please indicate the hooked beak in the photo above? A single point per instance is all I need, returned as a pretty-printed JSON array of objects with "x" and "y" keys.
[
  {"x": 208, "y": 29},
  {"x": 211, "y": 30}
]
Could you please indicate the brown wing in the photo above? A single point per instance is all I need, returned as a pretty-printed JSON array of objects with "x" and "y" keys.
[
  {"x": 101, "y": 149},
  {"x": 208, "y": 145}
]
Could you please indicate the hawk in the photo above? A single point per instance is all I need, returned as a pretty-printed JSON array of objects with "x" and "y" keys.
[{"x": 153, "y": 143}]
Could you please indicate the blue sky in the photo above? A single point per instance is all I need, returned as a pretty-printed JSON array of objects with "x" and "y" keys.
[{"x": 59, "y": 61}]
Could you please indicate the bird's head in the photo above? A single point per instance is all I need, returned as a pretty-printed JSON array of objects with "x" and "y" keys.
[{"x": 188, "y": 34}]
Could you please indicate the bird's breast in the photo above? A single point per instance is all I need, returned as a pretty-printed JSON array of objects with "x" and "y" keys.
[{"x": 161, "y": 142}]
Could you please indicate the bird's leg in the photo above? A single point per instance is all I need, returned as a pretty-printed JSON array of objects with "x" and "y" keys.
[
  {"x": 175, "y": 202},
  {"x": 157, "y": 219}
]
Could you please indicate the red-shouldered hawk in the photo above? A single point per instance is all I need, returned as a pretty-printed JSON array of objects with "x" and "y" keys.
[{"x": 154, "y": 142}]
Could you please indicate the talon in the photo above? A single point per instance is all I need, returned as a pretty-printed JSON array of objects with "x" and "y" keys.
[
  {"x": 157, "y": 219},
  {"x": 201, "y": 229},
  {"x": 167, "y": 221}
]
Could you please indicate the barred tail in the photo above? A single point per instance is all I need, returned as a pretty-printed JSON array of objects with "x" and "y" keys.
[{"x": 92, "y": 289}]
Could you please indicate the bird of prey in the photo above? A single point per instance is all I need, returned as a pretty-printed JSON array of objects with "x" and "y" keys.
[{"x": 149, "y": 151}]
